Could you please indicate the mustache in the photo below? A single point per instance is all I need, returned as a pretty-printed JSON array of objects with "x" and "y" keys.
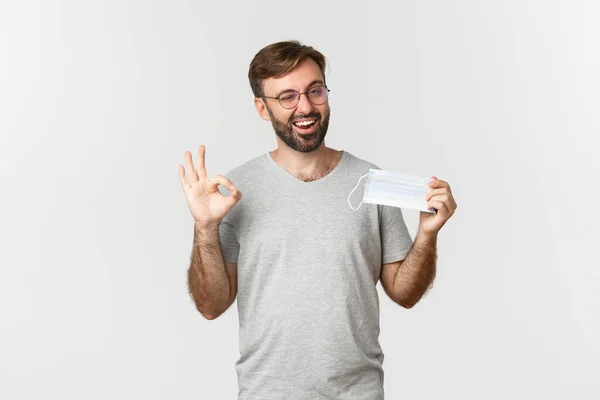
[{"x": 305, "y": 116}]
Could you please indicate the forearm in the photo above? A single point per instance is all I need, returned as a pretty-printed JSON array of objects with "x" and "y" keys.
[
  {"x": 208, "y": 282},
  {"x": 416, "y": 273}
]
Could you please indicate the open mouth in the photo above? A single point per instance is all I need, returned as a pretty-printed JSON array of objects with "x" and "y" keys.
[{"x": 306, "y": 125}]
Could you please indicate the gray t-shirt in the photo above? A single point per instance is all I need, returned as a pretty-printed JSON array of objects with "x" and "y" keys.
[{"x": 307, "y": 267}]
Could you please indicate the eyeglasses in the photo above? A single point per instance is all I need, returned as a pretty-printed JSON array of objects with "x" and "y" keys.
[{"x": 291, "y": 98}]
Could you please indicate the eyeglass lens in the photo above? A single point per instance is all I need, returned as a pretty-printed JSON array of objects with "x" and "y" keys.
[{"x": 317, "y": 96}]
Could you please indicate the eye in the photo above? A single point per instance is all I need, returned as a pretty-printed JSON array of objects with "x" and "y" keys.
[
  {"x": 316, "y": 91},
  {"x": 287, "y": 96}
]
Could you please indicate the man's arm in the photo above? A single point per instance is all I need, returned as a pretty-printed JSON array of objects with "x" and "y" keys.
[
  {"x": 212, "y": 283},
  {"x": 406, "y": 281}
]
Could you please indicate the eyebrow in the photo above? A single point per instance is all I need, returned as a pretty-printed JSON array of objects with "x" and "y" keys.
[{"x": 316, "y": 81}]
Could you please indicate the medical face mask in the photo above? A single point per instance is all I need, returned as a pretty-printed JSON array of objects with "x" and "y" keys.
[{"x": 394, "y": 189}]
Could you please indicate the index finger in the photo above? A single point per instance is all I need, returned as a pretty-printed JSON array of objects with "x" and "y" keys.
[{"x": 201, "y": 169}]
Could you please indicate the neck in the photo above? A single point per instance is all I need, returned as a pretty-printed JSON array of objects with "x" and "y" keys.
[{"x": 307, "y": 166}]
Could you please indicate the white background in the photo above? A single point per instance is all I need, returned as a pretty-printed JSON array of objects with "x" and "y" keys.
[{"x": 99, "y": 101}]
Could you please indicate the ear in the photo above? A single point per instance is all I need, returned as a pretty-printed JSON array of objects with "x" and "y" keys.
[{"x": 261, "y": 108}]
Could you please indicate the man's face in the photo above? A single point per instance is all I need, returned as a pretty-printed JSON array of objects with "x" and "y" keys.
[{"x": 303, "y": 78}]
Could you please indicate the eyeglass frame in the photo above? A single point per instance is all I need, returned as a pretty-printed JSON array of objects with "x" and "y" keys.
[{"x": 299, "y": 96}]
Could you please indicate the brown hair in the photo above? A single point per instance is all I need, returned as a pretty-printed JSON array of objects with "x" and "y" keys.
[{"x": 278, "y": 59}]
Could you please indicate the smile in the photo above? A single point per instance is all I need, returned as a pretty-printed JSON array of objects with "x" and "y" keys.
[{"x": 305, "y": 124}]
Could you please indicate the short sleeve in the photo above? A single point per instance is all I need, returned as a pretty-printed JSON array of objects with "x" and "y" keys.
[
  {"x": 229, "y": 243},
  {"x": 395, "y": 239}
]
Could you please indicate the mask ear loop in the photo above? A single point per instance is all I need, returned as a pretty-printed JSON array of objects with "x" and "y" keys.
[{"x": 355, "y": 187}]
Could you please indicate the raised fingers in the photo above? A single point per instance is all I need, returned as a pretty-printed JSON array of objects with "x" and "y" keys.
[
  {"x": 201, "y": 169},
  {"x": 182, "y": 178},
  {"x": 191, "y": 172}
]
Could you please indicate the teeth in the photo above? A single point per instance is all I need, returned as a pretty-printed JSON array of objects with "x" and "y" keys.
[{"x": 304, "y": 123}]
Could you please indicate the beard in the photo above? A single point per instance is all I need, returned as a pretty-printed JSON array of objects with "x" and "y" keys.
[{"x": 302, "y": 143}]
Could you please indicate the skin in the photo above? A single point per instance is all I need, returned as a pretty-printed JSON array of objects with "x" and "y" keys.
[
  {"x": 305, "y": 165},
  {"x": 213, "y": 283}
]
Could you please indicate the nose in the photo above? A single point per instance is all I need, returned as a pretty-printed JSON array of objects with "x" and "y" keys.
[{"x": 304, "y": 105}]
